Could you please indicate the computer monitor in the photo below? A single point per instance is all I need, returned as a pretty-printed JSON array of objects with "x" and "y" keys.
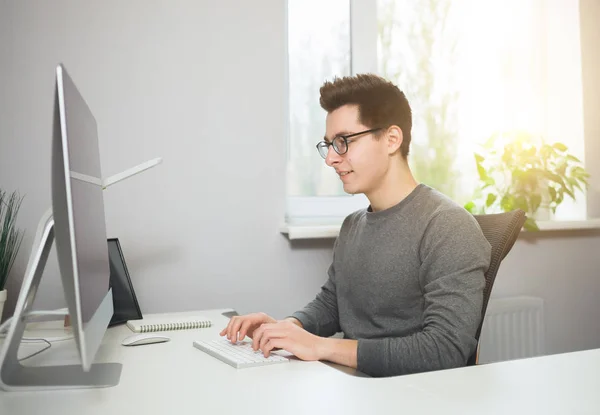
[
  {"x": 77, "y": 223},
  {"x": 79, "y": 220}
]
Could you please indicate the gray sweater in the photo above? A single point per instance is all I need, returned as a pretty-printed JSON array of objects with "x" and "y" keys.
[{"x": 407, "y": 283}]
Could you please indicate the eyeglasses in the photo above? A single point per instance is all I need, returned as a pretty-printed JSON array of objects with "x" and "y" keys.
[{"x": 340, "y": 143}]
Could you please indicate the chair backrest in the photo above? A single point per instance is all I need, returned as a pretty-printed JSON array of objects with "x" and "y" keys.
[{"x": 501, "y": 230}]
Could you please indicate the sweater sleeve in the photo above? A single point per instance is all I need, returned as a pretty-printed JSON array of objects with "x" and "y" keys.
[
  {"x": 321, "y": 316},
  {"x": 454, "y": 257}
]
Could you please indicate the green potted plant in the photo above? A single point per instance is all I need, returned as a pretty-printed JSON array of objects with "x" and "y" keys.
[
  {"x": 520, "y": 171},
  {"x": 10, "y": 238}
]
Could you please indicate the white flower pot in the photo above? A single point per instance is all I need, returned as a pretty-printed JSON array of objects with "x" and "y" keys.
[{"x": 2, "y": 301}]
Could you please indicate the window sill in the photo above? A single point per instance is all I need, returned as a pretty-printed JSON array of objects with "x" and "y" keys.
[{"x": 320, "y": 230}]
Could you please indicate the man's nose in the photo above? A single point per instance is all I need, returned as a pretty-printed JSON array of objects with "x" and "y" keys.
[{"x": 333, "y": 157}]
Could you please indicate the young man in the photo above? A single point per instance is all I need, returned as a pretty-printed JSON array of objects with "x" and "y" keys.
[{"x": 406, "y": 283}]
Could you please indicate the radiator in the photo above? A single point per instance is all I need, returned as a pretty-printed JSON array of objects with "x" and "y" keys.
[{"x": 513, "y": 328}]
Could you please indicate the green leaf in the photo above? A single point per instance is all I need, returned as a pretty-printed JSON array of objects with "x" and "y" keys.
[
  {"x": 546, "y": 151},
  {"x": 536, "y": 201},
  {"x": 531, "y": 225},
  {"x": 574, "y": 183},
  {"x": 560, "y": 147},
  {"x": 570, "y": 193},
  {"x": 489, "y": 143},
  {"x": 491, "y": 198},
  {"x": 10, "y": 236},
  {"x": 554, "y": 177},
  {"x": 478, "y": 158},
  {"x": 482, "y": 173},
  {"x": 518, "y": 174},
  {"x": 507, "y": 203},
  {"x": 470, "y": 206},
  {"x": 552, "y": 193},
  {"x": 520, "y": 202},
  {"x": 579, "y": 172},
  {"x": 573, "y": 158},
  {"x": 507, "y": 156}
]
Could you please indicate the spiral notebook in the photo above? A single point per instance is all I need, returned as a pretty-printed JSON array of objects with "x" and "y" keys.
[{"x": 151, "y": 324}]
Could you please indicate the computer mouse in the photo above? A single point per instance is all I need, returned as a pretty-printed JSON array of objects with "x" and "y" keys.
[{"x": 144, "y": 338}]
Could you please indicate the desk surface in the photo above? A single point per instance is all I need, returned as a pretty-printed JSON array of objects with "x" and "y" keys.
[{"x": 176, "y": 378}]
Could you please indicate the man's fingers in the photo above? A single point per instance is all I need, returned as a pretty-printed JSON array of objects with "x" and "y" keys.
[
  {"x": 244, "y": 329},
  {"x": 259, "y": 333},
  {"x": 235, "y": 327},
  {"x": 270, "y": 334},
  {"x": 241, "y": 326},
  {"x": 274, "y": 343},
  {"x": 230, "y": 327},
  {"x": 225, "y": 331}
]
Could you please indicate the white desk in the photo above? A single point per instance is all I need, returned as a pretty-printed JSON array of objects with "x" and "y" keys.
[{"x": 176, "y": 378}]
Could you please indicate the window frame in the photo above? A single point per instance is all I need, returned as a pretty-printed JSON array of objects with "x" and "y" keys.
[{"x": 363, "y": 58}]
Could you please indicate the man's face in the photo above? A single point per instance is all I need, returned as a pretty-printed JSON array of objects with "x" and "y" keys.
[{"x": 363, "y": 167}]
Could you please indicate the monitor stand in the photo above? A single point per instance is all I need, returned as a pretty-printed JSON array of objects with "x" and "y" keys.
[{"x": 16, "y": 377}]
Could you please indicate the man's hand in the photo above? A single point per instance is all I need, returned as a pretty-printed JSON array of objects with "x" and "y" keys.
[
  {"x": 287, "y": 335},
  {"x": 241, "y": 326}
]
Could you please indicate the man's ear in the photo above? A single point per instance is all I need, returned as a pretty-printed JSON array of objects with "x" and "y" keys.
[{"x": 395, "y": 137}]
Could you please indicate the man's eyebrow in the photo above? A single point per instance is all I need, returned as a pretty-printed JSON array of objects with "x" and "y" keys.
[{"x": 337, "y": 135}]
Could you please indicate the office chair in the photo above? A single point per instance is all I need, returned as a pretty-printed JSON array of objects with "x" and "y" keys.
[{"x": 501, "y": 230}]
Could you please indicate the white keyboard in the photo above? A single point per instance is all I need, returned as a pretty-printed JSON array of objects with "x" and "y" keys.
[{"x": 239, "y": 355}]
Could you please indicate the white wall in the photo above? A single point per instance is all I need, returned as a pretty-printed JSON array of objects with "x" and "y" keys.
[{"x": 202, "y": 84}]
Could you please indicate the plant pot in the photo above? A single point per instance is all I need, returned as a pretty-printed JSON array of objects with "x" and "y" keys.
[
  {"x": 2, "y": 301},
  {"x": 543, "y": 214}
]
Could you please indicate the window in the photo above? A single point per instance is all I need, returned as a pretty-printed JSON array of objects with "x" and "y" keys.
[
  {"x": 318, "y": 48},
  {"x": 469, "y": 68}
]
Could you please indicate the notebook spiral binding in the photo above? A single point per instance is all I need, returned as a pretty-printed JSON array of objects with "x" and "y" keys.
[{"x": 200, "y": 324}]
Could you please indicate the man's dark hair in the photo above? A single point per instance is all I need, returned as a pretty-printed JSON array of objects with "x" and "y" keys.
[{"x": 380, "y": 103}]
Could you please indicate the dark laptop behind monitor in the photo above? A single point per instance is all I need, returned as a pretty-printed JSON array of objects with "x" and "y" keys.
[{"x": 125, "y": 303}]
